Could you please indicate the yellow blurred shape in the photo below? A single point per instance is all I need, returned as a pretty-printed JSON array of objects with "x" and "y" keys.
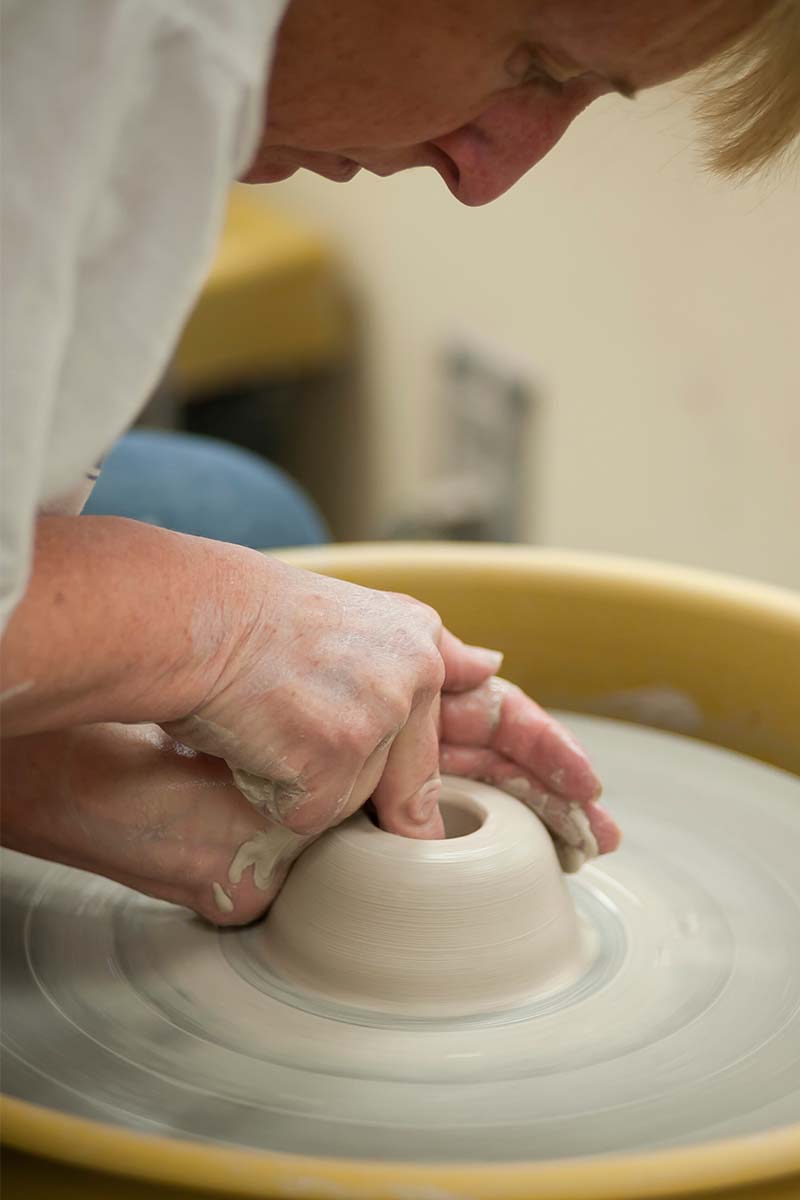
[{"x": 273, "y": 304}]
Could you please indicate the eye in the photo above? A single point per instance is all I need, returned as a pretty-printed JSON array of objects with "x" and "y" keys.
[
  {"x": 536, "y": 73},
  {"x": 525, "y": 66}
]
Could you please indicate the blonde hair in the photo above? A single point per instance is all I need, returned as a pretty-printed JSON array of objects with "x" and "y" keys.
[{"x": 748, "y": 98}]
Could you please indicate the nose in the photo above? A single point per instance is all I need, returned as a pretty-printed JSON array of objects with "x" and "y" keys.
[{"x": 496, "y": 149}]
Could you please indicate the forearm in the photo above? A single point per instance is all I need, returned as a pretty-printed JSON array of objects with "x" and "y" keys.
[{"x": 120, "y": 622}]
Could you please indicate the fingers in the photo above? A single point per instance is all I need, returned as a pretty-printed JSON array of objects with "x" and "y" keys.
[
  {"x": 406, "y": 799},
  {"x": 500, "y": 716},
  {"x": 498, "y": 734},
  {"x": 580, "y": 831},
  {"x": 368, "y": 779},
  {"x": 466, "y": 666}
]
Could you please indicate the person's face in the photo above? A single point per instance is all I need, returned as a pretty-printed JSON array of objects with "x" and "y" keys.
[{"x": 478, "y": 89}]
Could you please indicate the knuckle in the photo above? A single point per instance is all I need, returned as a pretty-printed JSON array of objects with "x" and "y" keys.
[
  {"x": 426, "y": 616},
  {"x": 431, "y": 670},
  {"x": 357, "y": 735},
  {"x": 431, "y": 617},
  {"x": 396, "y": 704}
]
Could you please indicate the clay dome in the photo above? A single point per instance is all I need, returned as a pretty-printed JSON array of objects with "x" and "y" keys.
[{"x": 480, "y": 921}]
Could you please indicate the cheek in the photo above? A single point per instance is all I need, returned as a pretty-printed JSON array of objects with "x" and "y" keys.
[
  {"x": 516, "y": 122},
  {"x": 380, "y": 119},
  {"x": 397, "y": 96},
  {"x": 412, "y": 121}
]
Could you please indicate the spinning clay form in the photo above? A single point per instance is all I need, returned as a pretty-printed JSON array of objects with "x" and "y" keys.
[{"x": 477, "y": 922}]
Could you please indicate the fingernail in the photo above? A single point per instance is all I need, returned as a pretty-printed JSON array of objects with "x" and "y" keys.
[
  {"x": 493, "y": 659},
  {"x": 426, "y": 800}
]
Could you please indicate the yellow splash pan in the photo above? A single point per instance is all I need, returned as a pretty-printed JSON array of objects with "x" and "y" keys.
[{"x": 586, "y": 633}]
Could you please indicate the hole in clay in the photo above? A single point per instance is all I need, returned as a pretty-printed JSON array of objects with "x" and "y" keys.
[{"x": 460, "y": 819}]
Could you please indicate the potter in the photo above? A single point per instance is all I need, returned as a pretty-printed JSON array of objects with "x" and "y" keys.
[
  {"x": 293, "y": 868},
  {"x": 182, "y": 713}
]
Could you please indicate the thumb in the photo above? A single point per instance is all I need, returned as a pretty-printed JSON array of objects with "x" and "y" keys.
[{"x": 466, "y": 667}]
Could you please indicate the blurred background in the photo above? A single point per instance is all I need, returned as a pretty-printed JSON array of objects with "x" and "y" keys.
[{"x": 606, "y": 358}]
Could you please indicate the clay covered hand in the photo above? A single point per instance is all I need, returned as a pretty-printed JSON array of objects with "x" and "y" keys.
[
  {"x": 496, "y": 734},
  {"x": 328, "y": 694},
  {"x": 317, "y": 693},
  {"x": 332, "y": 693},
  {"x": 130, "y": 803}
]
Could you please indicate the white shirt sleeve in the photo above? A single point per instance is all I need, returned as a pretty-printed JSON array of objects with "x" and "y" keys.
[{"x": 123, "y": 124}]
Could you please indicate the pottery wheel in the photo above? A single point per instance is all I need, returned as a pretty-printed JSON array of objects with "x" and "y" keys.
[{"x": 684, "y": 1027}]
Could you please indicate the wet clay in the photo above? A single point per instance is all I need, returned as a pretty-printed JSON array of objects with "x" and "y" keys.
[
  {"x": 473, "y": 923},
  {"x": 266, "y": 852},
  {"x": 221, "y": 898}
]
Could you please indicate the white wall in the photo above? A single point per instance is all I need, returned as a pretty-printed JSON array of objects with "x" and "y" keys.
[{"x": 659, "y": 306}]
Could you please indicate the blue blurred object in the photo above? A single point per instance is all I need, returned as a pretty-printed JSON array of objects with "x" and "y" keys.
[{"x": 202, "y": 486}]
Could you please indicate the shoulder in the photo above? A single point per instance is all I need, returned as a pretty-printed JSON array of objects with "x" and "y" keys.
[{"x": 237, "y": 34}]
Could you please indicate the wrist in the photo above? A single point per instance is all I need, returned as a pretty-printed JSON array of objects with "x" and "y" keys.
[
  {"x": 233, "y": 588},
  {"x": 123, "y": 622}
]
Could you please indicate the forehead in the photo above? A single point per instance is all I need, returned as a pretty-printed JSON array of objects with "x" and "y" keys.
[{"x": 647, "y": 42}]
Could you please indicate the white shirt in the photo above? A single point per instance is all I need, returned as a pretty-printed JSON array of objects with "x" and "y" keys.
[{"x": 124, "y": 123}]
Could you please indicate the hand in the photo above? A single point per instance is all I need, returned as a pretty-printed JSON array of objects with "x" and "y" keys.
[
  {"x": 336, "y": 693},
  {"x": 129, "y": 803},
  {"x": 329, "y": 694},
  {"x": 496, "y": 734},
  {"x": 317, "y": 692}
]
